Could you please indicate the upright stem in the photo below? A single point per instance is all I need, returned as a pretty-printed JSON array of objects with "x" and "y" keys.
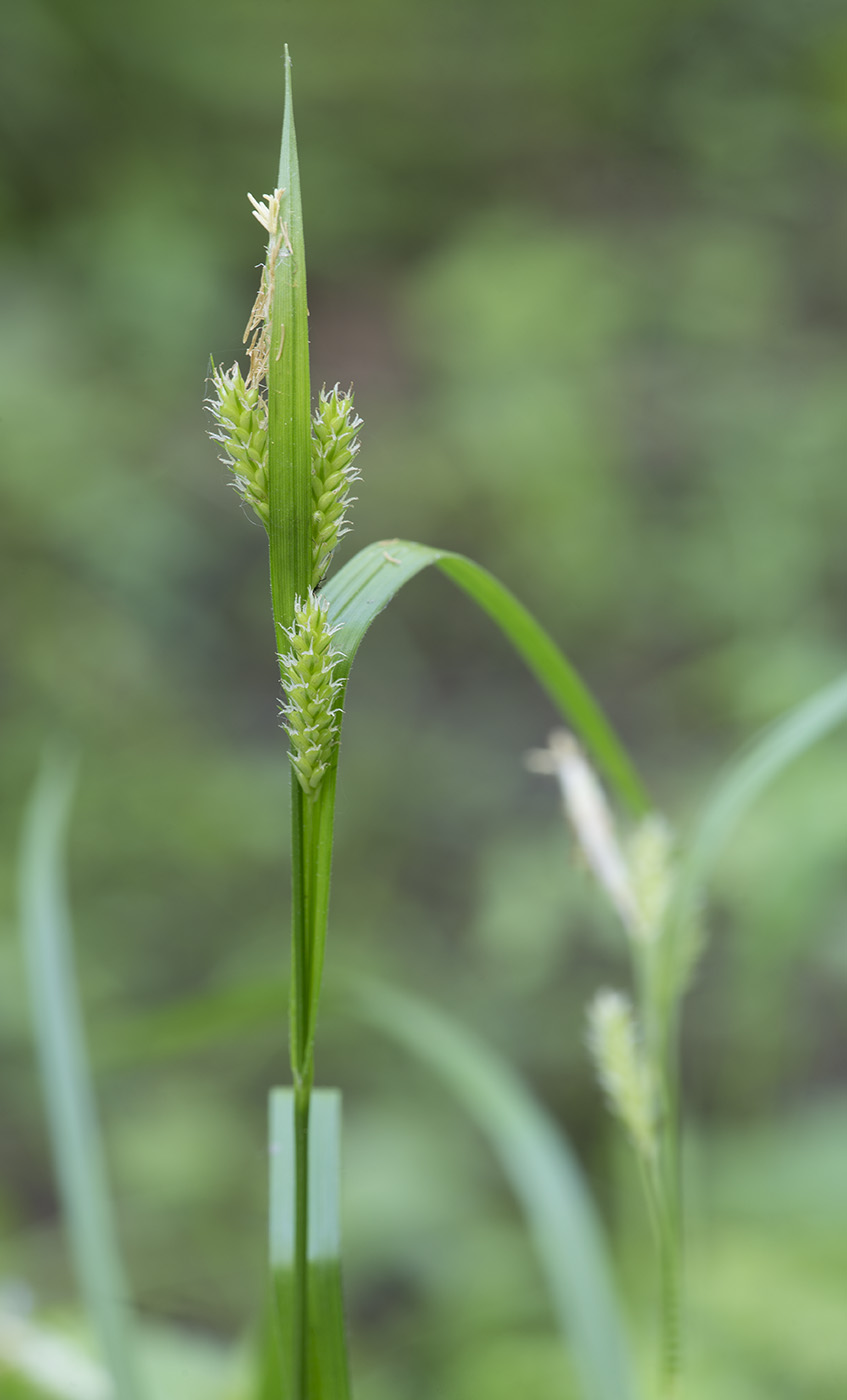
[
  {"x": 301, "y": 1073},
  {"x": 670, "y": 1245},
  {"x": 299, "y": 994},
  {"x": 660, "y": 1028},
  {"x": 290, "y": 541}
]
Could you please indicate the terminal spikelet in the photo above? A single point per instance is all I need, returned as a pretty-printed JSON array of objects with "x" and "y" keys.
[
  {"x": 590, "y": 817},
  {"x": 621, "y": 1068},
  {"x": 311, "y": 710},
  {"x": 335, "y": 427},
  {"x": 241, "y": 419},
  {"x": 257, "y": 334}
]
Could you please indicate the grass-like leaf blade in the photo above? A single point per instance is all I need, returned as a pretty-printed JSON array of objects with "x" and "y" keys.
[
  {"x": 289, "y": 396},
  {"x": 541, "y": 1170},
  {"x": 758, "y": 765},
  {"x": 71, "y": 1110},
  {"x": 368, "y": 582}
]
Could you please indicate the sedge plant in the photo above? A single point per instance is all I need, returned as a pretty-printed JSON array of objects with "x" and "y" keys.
[
  {"x": 655, "y": 884},
  {"x": 294, "y": 465},
  {"x": 633, "y": 1039}
]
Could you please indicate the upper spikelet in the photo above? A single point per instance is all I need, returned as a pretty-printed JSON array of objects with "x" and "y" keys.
[
  {"x": 241, "y": 419},
  {"x": 335, "y": 427},
  {"x": 257, "y": 330},
  {"x": 313, "y": 690},
  {"x": 590, "y": 817},
  {"x": 239, "y": 406}
]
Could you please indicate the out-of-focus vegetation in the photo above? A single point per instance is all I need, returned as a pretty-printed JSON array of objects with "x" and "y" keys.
[{"x": 587, "y": 266}]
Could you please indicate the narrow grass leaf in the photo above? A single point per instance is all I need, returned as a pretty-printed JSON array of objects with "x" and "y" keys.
[
  {"x": 752, "y": 772},
  {"x": 541, "y": 1170},
  {"x": 71, "y": 1110},
  {"x": 368, "y": 582},
  {"x": 193, "y": 1023},
  {"x": 289, "y": 398},
  {"x": 51, "y": 1363},
  {"x": 327, "y": 1347}
]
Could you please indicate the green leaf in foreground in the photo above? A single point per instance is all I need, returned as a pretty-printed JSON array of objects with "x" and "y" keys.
[
  {"x": 541, "y": 1170},
  {"x": 368, "y": 582},
  {"x": 327, "y": 1348},
  {"x": 71, "y": 1109},
  {"x": 356, "y": 595}
]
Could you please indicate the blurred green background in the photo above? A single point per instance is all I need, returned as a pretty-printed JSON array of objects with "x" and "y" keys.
[{"x": 587, "y": 268}]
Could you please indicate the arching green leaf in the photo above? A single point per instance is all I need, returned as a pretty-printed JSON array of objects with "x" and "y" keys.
[{"x": 368, "y": 582}]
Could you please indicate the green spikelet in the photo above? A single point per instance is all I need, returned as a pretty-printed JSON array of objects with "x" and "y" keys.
[
  {"x": 652, "y": 863},
  {"x": 335, "y": 427},
  {"x": 241, "y": 418},
  {"x": 650, "y": 857},
  {"x": 310, "y": 709},
  {"x": 621, "y": 1068}
]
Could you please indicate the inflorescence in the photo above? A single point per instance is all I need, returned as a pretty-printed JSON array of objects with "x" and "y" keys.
[
  {"x": 239, "y": 407},
  {"x": 313, "y": 689}
]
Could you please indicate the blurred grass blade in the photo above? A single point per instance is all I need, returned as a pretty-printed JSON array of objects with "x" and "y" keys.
[
  {"x": 541, "y": 1170},
  {"x": 193, "y": 1023},
  {"x": 327, "y": 1352},
  {"x": 368, "y": 582},
  {"x": 53, "y": 1364},
  {"x": 65, "y": 1074},
  {"x": 755, "y": 768}
]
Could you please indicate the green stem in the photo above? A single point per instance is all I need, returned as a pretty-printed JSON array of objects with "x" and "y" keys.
[
  {"x": 298, "y": 1019},
  {"x": 661, "y": 1209},
  {"x": 323, "y": 821},
  {"x": 290, "y": 545},
  {"x": 659, "y": 1022},
  {"x": 298, "y": 995},
  {"x": 671, "y": 1244}
]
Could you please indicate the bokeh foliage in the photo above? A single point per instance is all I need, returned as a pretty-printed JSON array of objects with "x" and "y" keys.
[{"x": 600, "y": 247}]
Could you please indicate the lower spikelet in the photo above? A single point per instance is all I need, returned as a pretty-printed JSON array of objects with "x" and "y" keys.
[
  {"x": 621, "y": 1069},
  {"x": 311, "y": 712}
]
